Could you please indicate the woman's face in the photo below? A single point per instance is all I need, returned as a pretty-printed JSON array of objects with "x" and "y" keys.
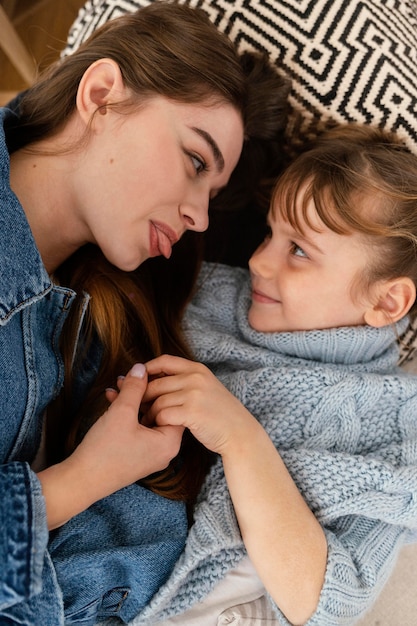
[{"x": 146, "y": 177}]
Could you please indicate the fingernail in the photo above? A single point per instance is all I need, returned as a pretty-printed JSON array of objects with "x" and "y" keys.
[
  {"x": 111, "y": 389},
  {"x": 121, "y": 377},
  {"x": 138, "y": 370}
]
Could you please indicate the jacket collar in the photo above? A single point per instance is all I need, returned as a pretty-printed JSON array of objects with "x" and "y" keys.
[{"x": 23, "y": 277}]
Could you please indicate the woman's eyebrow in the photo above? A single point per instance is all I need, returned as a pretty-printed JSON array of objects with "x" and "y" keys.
[{"x": 218, "y": 157}]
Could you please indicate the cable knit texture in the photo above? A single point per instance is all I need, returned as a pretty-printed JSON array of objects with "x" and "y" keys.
[{"x": 344, "y": 418}]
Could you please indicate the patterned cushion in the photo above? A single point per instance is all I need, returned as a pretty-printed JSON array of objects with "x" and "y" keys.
[{"x": 347, "y": 60}]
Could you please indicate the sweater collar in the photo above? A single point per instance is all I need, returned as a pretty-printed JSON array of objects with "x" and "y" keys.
[
  {"x": 23, "y": 277},
  {"x": 344, "y": 345}
]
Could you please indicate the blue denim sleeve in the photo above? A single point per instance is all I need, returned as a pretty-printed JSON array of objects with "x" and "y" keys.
[{"x": 24, "y": 534}]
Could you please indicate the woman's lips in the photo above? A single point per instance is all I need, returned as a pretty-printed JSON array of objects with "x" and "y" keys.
[{"x": 162, "y": 238}]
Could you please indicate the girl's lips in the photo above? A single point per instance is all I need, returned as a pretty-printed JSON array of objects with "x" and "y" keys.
[
  {"x": 258, "y": 296},
  {"x": 162, "y": 238}
]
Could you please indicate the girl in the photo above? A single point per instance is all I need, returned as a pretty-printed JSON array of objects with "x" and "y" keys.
[{"x": 317, "y": 443}]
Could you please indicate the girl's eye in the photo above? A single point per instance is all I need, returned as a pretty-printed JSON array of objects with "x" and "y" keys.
[
  {"x": 297, "y": 251},
  {"x": 198, "y": 163}
]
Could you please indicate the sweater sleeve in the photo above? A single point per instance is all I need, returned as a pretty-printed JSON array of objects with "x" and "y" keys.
[
  {"x": 338, "y": 484},
  {"x": 361, "y": 556},
  {"x": 24, "y": 534}
]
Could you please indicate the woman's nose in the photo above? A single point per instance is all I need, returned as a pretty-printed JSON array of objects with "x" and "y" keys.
[{"x": 194, "y": 213}]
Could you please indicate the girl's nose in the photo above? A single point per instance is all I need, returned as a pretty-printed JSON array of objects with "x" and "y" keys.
[{"x": 261, "y": 262}]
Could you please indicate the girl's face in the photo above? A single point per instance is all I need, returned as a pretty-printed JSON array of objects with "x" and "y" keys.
[
  {"x": 147, "y": 177},
  {"x": 306, "y": 282}
]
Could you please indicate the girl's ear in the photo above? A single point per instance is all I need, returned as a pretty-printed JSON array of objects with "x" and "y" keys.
[
  {"x": 394, "y": 299},
  {"x": 101, "y": 84}
]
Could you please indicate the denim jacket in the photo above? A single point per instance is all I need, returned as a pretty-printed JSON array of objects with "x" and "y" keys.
[
  {"x": 32, "y": 312},
  {"x": 110, "y": 559}
]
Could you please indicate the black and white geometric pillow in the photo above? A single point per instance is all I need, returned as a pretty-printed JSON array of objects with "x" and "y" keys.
[{"x": 348, "y": 60}]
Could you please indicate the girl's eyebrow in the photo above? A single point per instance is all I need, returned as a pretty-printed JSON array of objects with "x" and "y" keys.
[
  {"x": 218, "y": 157},
  {"x": 301, "y": 238},
  {"x": 305, "y": 241}
]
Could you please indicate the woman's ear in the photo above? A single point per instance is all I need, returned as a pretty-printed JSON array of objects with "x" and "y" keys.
[
  {"x": 394, "y": 299},
  {"x": 101, "y": 84}
]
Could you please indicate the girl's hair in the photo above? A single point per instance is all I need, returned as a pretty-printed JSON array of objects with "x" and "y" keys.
[
  {"x": 361, "y": 179},
  {"x": 164, "y": 49},
  {"x": 174, "y": 51}
]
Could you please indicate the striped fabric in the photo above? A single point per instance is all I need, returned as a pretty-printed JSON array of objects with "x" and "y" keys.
[{"x": 256, "y": 613}]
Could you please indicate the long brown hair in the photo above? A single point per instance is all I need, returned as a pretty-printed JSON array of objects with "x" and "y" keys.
[{"x": 132, "y": 317}]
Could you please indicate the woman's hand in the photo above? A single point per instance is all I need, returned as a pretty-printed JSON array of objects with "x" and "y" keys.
[{"x": 116, "y": 452}]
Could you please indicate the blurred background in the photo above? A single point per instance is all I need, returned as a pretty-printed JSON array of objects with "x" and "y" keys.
[{"x": 32, "y": 34}]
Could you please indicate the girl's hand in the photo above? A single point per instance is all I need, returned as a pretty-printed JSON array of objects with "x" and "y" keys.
[
  {"x": 186, "y": 393},
  {"x": 116, "y": 452},
  {"x": 283, "y": 538}
]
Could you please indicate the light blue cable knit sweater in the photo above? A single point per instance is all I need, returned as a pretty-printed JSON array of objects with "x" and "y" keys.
[{"x": 344, "y": 419}]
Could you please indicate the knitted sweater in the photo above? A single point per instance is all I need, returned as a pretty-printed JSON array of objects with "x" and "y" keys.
[{"x": 344, "y": 419}]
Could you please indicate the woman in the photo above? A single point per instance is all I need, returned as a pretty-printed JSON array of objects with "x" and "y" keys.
[{"x": 120, "y": 146}]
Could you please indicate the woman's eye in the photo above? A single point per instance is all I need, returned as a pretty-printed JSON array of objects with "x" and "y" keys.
[
  {"x": 297, "y": 251},
  {"x": 198, "y": 163}
]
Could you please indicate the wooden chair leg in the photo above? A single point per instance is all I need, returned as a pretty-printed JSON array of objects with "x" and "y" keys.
[{"x": 15, "y": 49}]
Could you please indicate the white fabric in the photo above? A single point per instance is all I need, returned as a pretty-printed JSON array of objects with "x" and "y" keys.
[{"x": 240, "y": 586}]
